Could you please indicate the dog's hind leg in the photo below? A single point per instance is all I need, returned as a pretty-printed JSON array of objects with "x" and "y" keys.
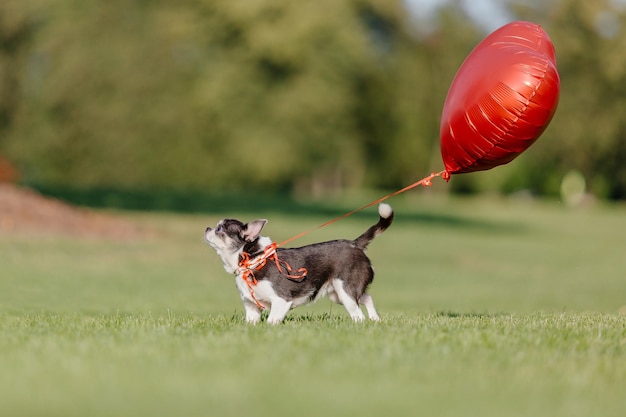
[
  {"x": 368, "y": 302},
  {"x": 279, "y": 310},
  {"x": 348, "y": 302}
]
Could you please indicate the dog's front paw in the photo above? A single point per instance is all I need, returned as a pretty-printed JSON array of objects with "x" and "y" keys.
[
  {"x": 274, "y": 320},
  {"x": 253, "y": 312}
]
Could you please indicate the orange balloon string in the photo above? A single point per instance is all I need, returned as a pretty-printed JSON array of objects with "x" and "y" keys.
[{"x": 426, "y": 182}]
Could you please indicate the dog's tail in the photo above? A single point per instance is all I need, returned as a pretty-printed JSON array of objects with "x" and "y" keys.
[{"x": 386, "y": 217}]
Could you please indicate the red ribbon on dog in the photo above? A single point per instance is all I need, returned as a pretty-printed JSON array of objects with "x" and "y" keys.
[{"x": 248, "y": 266}]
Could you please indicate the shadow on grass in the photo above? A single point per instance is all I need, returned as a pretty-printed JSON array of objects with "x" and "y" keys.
[{"x": 188, "y": 201}]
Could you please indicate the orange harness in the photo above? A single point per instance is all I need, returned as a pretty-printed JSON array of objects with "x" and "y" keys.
[{"x": 247, "y": 267}]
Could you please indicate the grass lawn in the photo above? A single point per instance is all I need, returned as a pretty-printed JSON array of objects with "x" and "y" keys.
[{"x": 490, "y": 308}]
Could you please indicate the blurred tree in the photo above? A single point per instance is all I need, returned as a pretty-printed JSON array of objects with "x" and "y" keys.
[
  {"x": 308, "y": 96},
  {"x": 590, "y": 130},
  {"x": 104, "y": 100},
  {"x": 17, "y": 26},
  {"x": 228, "y": 94},
  {"x": 401, "y": 100}
]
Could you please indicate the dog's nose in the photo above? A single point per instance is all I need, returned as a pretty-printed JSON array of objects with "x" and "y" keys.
[{"x": 208, "y": 229}]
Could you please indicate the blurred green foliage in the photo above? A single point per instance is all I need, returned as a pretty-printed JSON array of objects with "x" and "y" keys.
[{"x": 302, "y": 97}]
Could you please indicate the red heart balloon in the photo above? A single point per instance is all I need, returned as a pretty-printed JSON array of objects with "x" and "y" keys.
[{"x": 501, "y": 99}]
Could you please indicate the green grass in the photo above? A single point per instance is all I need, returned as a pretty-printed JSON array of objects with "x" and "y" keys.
[
  {"x": 429, "y": 364},
  {"x": 490, "y": 308}
]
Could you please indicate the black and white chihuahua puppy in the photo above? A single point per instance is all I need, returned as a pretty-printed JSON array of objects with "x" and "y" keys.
[{"x": 339, "y": 269}]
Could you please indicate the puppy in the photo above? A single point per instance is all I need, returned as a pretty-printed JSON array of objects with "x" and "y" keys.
[{"x": 338, "y": 269}]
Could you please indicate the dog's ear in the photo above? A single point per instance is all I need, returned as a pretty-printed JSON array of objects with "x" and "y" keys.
[{"x": 252, "y": 230}]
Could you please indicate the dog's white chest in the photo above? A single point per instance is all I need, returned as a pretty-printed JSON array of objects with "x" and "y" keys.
[{"x": 263, "y": 292}]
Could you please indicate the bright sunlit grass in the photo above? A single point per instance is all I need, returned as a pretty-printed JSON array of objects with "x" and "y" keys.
[
  {"x": 429, "y": 364},
  {"x": 489, "y": 308}
]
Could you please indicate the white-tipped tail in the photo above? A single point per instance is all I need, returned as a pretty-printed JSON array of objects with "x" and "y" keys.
[
  {"x": 386, "y": 217},
  {"x": 385, "y": 210}
]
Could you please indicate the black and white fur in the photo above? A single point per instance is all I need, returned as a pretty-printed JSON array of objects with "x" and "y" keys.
[{"x": 339, "y": 269}]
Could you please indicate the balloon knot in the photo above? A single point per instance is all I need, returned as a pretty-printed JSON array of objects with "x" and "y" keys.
[{"x": 446, "y": 176}]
